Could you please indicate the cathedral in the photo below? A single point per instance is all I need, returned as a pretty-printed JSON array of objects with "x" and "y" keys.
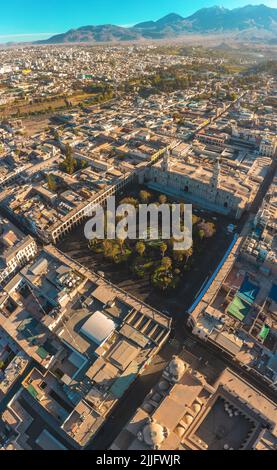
[{"x": 211, "y": 184}]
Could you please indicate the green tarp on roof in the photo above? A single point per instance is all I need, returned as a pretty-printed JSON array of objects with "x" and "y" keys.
[
  {"x": 238, "y": 308},
  {"x": 264, "y": 332},
  {"x": 32, "y": 391},
  {"x": 42, "y": 353}
]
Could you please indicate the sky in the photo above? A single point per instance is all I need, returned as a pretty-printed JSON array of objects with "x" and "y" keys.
[{"x": 27, "y": 20}]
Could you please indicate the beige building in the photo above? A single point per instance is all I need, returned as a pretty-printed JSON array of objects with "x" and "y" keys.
[
  {"x": 214, "y": 185},
  {"x": 184, "y": 412},
  {"x": 92, "y": 340}
]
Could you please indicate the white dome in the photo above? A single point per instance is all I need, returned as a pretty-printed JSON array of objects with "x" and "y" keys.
[
  {"x": 10, "y": 447},
  {"x": 196, "y": 407},
  {"x": 153, "y": 434},
  {"x": 188, "y": 419},
  {"x": 180, "y": 431},
  {"x": 176, "y": 368}
]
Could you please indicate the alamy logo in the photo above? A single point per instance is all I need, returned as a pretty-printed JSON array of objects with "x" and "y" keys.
[{"x": 144, "y": 222}]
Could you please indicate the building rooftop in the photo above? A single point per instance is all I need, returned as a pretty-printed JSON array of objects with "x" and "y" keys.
[{"x": 187, "y": 413}]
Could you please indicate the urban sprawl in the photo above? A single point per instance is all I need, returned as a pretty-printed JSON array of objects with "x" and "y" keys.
[{"x": 181, "y": 353}]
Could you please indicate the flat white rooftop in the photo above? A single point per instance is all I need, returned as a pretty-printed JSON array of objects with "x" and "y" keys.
[{"x": 98, "y": 328}]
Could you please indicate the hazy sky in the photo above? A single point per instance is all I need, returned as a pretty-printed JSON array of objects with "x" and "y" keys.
[{"x": 24, "y": 20}]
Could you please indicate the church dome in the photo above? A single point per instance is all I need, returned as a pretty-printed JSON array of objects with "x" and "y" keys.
[
  {"x": 153, "y": 434},
  {"x": 196, "y": 407},
  {"x": 180, "y": 431},
  {"x": 176, "y": 368}
]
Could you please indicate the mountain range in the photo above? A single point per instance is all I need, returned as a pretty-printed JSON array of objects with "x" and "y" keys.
[{"x": 249, "y": 22}]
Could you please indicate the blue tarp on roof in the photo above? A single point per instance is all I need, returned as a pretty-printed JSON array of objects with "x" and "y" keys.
[
  {"x": 248, "y": 291},
  {"x": 211, "y": 280},
  {"x": 273, "y": 293},
  {"x": 272, "y": 363}
]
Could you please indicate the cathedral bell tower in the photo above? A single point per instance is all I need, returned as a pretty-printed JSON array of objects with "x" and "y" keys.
[
  {"x": 166, "y": 162},
  {"x": 215, "y": 180}
]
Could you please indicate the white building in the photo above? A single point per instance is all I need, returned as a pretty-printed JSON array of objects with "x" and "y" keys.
[
  {"x": 268, "y": 147},
  {"x": 16, "y": 250}
]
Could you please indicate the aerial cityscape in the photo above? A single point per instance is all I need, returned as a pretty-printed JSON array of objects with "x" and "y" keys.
[{"x": 129, "y": 341}]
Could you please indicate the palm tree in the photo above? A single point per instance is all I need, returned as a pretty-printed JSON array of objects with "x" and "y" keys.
[
  {"x": 56, "y": 135},
  {"x": 178, "y": 256},
  {"x": 145, "y": 196},
  {"x": 163, "y": 249},
  {"x": 140, "y": 247},
  {"x": 130, "y": 200},
  {"x": 189, "y": 253},
  {"x": 108, "y": 249},
  {"x": 68, "y": 151},
  {"x": 51, "y": 182},
  {"x": 167, "y": 263},
  {"x": 201, "y": 234},
  {"x": 162, "y": 199}
]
